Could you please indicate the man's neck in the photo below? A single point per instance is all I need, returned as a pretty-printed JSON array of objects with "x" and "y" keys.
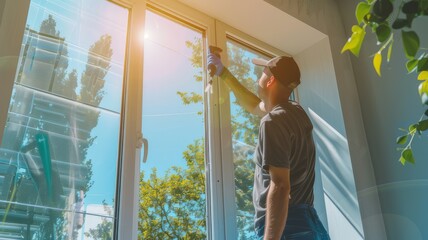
[{"x": 277, "y": 99}]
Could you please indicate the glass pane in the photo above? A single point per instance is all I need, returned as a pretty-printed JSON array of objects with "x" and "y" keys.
[
  {"x": 58, "y": 165},
  {"x": 172, "y": 183},
  {"x": 244, "y": 135}
]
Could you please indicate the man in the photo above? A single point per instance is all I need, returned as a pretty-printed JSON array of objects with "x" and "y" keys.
[{"x": 285, "y": 153}]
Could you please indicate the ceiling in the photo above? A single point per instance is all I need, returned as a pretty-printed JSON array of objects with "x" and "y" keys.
[{"x": 261, "y": 20}]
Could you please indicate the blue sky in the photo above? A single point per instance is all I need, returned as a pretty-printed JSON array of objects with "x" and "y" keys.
[{"x": 168, "y": 124}]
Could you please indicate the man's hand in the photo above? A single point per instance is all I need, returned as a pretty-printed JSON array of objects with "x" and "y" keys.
[{"x": 214, "y": 60}]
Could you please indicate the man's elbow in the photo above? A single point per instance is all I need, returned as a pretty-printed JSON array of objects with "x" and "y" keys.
[{"x": 281, "y": 186}]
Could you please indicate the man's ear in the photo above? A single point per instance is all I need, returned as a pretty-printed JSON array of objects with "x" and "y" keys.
[{"x": 270, "y": 81}]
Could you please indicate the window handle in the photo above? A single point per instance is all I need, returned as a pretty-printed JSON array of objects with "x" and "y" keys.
[{"x": 140, "y": 142}]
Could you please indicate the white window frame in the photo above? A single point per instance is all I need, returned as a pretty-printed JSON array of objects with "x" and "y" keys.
[{"x": 126, "y": 211}]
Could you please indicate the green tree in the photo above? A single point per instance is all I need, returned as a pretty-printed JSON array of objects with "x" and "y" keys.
[
  {"x": 103, "y": 230},
  {"x": 48, "y": 27},
  {"x": 97, "y": 67},
  {"x": 64, "y": 85},
  {"x": 173, "y": 206},
  {"x": 92, "y": 92}
]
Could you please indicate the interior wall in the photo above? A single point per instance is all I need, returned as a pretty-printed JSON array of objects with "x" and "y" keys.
[
  {"x": 2, "y": 4},
  {"x": 319, "y": 95},
  {"x": 388, "y": 103},
  {"x": 341, "y": 100}
]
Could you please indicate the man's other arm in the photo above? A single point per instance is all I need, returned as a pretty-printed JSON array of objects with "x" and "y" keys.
[{"x": 277, "y": 202}]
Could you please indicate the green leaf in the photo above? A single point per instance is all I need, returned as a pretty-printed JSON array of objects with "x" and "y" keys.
[
  {"x": 371, "y": 18},
  {"x": 411, "y": 7},
  {"x": 410, "y": 43},
  {"x": 383, "y": 31},
  {"x": 402, "y": 160},
  {"x": 407, "y": 154},
  {"x": 388, "y": 57},
  {"x": 413, "y": 128},
  {"x": 377, "y": 61},
  {"x": 402, "y": 139},
  {"x": 355, "y": 41},
  {"x": 382, "y": 9},
  {"x": 423, "y": 64},
  {"x": 362, "y": 9},
  {"x": 423, "y": 125},
  {"x": 399, "y": 23},
  {"x": 411, "y": 65},
  {"x": 426, "y": 113}
]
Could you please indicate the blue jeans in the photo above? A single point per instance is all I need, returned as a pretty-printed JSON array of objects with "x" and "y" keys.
[{"x": 302, "y": 224}]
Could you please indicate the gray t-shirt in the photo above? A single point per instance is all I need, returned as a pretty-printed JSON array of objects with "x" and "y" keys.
[{"x": 285, "y": 140}]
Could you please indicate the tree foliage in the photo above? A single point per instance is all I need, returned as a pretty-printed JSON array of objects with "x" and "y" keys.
[
  {"x": 103, "y": 230},
  {"x": 48, "y": 27},
  {"x": 173, "y": 206},
  {"x": 378, "y": 15}
]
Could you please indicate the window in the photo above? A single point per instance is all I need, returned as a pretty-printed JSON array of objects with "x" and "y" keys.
[
  {"x": 244, "y": 135},
  {"x": 172, "y": 183},
  {"x": 58, "y": 165}
]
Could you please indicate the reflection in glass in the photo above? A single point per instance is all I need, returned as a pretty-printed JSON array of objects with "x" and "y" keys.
[
  {"x": 57, "y": 165},
  {"x": 172, "y": 182},
  {"x": 244, "y": 136}
]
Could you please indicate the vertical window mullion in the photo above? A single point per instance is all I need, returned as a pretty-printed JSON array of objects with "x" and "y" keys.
[{"x": 128, "y": 178}]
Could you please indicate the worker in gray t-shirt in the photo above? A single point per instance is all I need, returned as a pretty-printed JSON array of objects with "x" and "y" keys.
[{"x": 285, "y": 154}]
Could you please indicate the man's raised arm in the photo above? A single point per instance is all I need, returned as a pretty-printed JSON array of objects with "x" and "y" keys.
[{"x": 245, "y": 97}]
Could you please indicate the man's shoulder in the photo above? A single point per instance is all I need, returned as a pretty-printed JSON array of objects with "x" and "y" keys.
[
  {"x": 275, "y": 117},
  {"x": 277, "y": 112},
  {"x": 284, "y": 113}
]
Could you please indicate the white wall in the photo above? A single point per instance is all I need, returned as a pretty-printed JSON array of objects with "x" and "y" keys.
[
  {"x": 319, "y": 95},
  {"x": 389, "y": 103},
  {"x": 2, "y": 4},
  {"x": 334, "y": 104}
]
